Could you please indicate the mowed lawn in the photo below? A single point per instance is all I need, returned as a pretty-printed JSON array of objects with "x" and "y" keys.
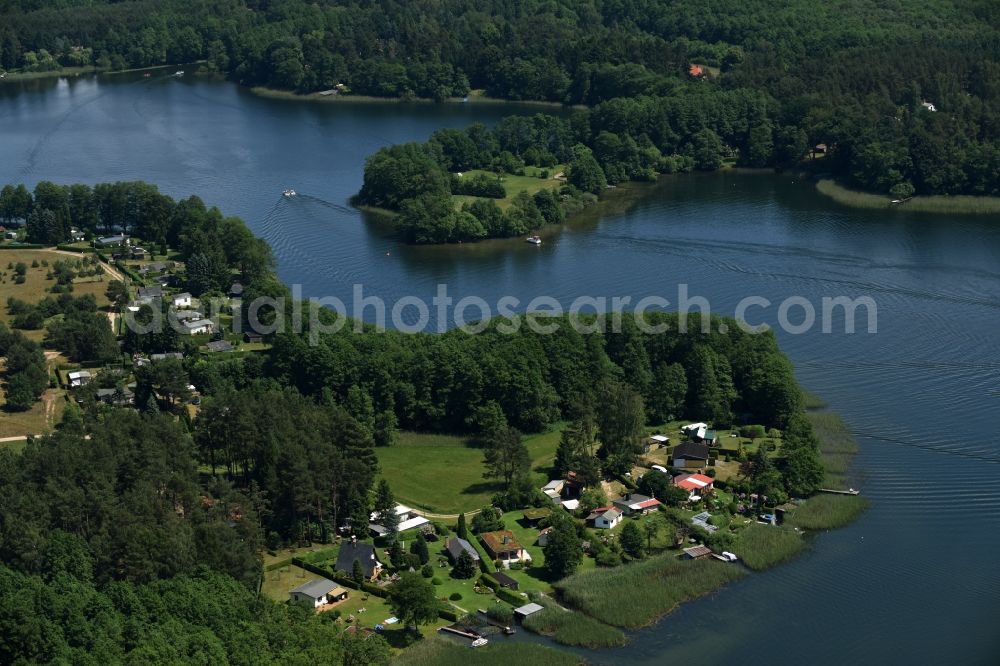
[
  {"x": 444, "y": 473},
  {"x": 530, "y": 182}
]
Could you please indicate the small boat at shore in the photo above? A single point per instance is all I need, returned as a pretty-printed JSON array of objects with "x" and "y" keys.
[
  {"x": 534, "y": 240},
  {"x": 179, "y": 72},
  {"x": 479, "y": 642},
  {"x": 288, "y": 194}
]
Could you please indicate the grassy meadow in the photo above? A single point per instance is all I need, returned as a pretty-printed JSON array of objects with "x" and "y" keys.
[
  {"x": 572, "y": 628},
  {"x": 530, "y": 182},
  {"x": 763, "y": 546},
  {"x": 444, "y": 473},
  {"x": 963, "y": 204},
  {"x": 827, "y": 512},
  {"x": 634, "y": 595}
]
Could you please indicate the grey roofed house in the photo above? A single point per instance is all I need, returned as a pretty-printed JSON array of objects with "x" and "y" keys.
[
  {"x": 195, "y": 325},
  {"x": 315, "y": 588},
  {"x": 363, "y": 553},
  {"x": 153, "y": 267},
  {"x": 457, "y": 545},
  {"x": 505, "y": 580},
  {"x": 107, "y": 395},
  {"x": 219, "y": 346},
  {"x": 528, "y": 609},
  {"x": 163, "y": 357},
  {"x": 185, "y": 315},
  {"x": 691, "y": 451},
  {"x": 111, "y": 241},
  {"x": 156, "y": 291}
]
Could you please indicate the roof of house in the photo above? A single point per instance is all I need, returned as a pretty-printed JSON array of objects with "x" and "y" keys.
[
  {"x": 696, "y": 70},
  {"x": 659, "y": 438},
  {"x": 456, "y": 545},
  {"x": 150, "y": 292},
  {"x": 410, "y": 523},
  {"x": 693, "y": 450},
  {"x": 197, "y": 323},
  {"x": 163, "y": 357},
  {"x": 697, "y": 551},
  {"x": 219, "y": 346},
  {"x": 79, "y": 374},
  {"x": 106, "y": 240},
  {"x": 362, "y": 552},
  {"x": 709, "y": 434},
  {"x": 608, "y": 512},
  {"x": 694, "y": 426},
  {"x": 315, "y": 588},
  {"x": 529, "y": 609},
  {"x": 501, "y": 541},
  {"x": 554, "y": 484},
  {"x": 693, "y": 481},
  {"x": 182, "y": 296}
]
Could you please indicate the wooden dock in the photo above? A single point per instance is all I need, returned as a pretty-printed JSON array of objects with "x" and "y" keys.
[
  {"x": 459, "y": 632},
  {"x": 851, "y": 491}
]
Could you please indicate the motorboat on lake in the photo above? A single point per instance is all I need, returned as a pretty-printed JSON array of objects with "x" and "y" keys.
[
  {"x": 288, "y": 194},
  {"x": 534, "y": 240}
]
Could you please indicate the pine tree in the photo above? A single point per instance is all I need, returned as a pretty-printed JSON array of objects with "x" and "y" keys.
[
  {"x": 357, "y": 573},
  {"x": 385, "y": 507},
  {"x": 462, "y": 530},
  {"x": 465, "y": 566},
  {"x": 419, "y": 549}
]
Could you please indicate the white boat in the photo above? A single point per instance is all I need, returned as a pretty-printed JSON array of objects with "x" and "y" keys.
[
  {"x": 179, "y": 73},
  {"x": 479, "y": 642},
  {"x": 534, "y": 240},
  {"x": 288, "y": 194}
]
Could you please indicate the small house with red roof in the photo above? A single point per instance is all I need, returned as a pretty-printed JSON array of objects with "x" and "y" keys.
[
  {"x": 635, "y": 504},
  {"x": 695, "y": 484},
  {"x": 605, "y": 517}
]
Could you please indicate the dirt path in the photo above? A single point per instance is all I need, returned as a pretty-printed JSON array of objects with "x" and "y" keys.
[
  {"x": 443, "y": 516},
  {"x": 108, "y": 268}
]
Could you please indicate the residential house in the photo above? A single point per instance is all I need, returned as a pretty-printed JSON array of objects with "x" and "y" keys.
[
  {"x": 317, "y": 592},
  {"x": 79, "y": 378},
  {"x": 635, "y": 504},
  {"x": 112, "y": 241},
  {"x": 76, "y": 235},
  {"x": 217, "y": 346},
  {"x": 407, "y": 521},
  {"x": 198, "y": 326},
  {"x": 502, "y": 545},
  {"x": 696, "y": 71},
  {"x": 182, "y": 300},
  {"x": 137, "y": 253},
  {"x": 10, "y": 235},
  {"x": 688, "y": 455},
  {"x": 167, "y": 356},
  {"x": 553, "y": 490},
  {"x": 710, "y": 438},
  {"x": 694, "y": 430},
  {"x": 543, "y": 536},
  {"x": 457, "y": 546},
  {"x": 573, "y": 486},
  {"x": 927, "y": 105},
  {"x": 188, "y": 315},
  {"x": 695, "y": 484},
  {"x": 253, "y": 338},
  {"x": 153, "y": 267},
  {"x": 605, "y": 518},
  {"x": 148, "y": 294},
  {"x": 110, "y": 396},
  {"x": 364, "y": 553}
]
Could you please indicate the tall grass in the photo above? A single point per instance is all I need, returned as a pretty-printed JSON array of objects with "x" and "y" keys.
[
  {"x": 572, "y": 628},
  {"x": 964, "y": 204},
  {"x": 763, "y": 546},
  {"x": 634, "y": 595},
  {"x": 837, "y": 446},
  {"x": 443, "y": 652},
  {"x": 827, "y": 512}
]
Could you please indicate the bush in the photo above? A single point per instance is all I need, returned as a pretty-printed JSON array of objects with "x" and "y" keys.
[
  {"x": 490, "y": 582},
  {"x": 500, "y": 613},
  {"x": 510, "y": 597},
  {"x": 455, "y": 596},
  {"x": 435, "y": 580},
  {"x": 427, "y": 571}
]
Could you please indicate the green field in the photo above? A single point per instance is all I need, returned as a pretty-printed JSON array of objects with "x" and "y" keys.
[
  {"x": 444, "y": 473},
  {"x": 530, "y": 182}
]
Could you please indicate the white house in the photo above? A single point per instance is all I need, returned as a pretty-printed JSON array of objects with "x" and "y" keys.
[
  {"x": 553, "y": 490},
  {"x": 696, "y": 430},
  {"x": 407, "y": 521},
  {"x": 317, "y": 592},
  {"x": 605, "y": 518},
  {"x": 79, "y": 378},
  {"x": 182, "y": 300},
  {"x": 198, "y": 326}
]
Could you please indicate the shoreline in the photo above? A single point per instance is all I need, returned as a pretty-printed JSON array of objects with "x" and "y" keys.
[
  {"x": 472, "y": 98},
  {"x": 72, "y": 72},
  {"x": 960, "y": 204}
]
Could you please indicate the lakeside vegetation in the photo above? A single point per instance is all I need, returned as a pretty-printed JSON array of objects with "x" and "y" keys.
[
  {"x": 443, "y": 652},
  {"x": 764, "y": 546},
  {"x": 571, "y": 628},
  {"x": 635, "y": 595},
  {"x": 827, "y": 512},
  {"x": 955, "y": 204}
]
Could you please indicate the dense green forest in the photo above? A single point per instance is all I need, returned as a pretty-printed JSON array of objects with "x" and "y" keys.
[{"x": 854, "y": 76}]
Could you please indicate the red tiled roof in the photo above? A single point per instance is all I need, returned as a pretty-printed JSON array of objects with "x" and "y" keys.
[
  {"x": 696, "y": 70},
  {"x": 648, "y": 503}
]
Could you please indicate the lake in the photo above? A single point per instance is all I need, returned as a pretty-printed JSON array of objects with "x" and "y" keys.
[{"x": 914, "y": 580}]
